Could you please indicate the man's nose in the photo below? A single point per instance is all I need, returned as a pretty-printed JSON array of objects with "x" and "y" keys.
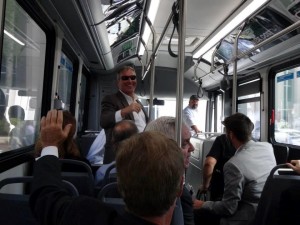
[{"x": 191, "y": 147}]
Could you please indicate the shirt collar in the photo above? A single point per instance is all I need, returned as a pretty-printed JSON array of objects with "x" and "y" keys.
[{"x": 129, "y": 97}]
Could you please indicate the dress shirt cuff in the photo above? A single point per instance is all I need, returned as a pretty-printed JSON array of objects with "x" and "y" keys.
[
  {"x": 49, "y": 150},
  {"x": 118, "y": 116}
]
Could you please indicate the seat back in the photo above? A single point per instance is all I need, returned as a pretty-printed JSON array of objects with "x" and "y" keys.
[
  {"x": 269, "y": 209},
  {"x": 14, "y": 208},
  {"x": 110, "y": 175},
  {"x": 110, "y": 195},
  {"x": 84, "y": 143},
  {"x": 79, "y": 174},
  {"x": 281, "y": 153}
]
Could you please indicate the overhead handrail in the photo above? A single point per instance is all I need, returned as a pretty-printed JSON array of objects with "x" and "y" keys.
[
  {"x": 152, "y": 67},
  {"x": 158, "y": 43},
  {"x": 267, "y": 41}
]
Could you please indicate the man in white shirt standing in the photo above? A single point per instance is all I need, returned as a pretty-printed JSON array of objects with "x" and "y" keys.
[
  {"x": 191, "y": 115},
  {"x": 119, "y": 106}
]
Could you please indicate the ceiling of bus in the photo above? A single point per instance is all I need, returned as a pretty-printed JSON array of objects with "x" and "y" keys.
[{"x": 76, "y": 17}]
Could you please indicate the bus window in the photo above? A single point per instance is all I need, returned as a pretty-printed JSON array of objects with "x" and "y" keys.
[
  {"x": 22, "y": 69},
  {"x": 65, "y": 81},
  {"x": 169, "y": 109},
  {"x": 287, "y": 106},
  {"x": 248, "y": 102}
]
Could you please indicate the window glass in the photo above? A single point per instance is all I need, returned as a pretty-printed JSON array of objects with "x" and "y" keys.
[
  {"x": 259, "y": 28},
  {"x": 169, "y": 109},
  {"x": 22, "y": 69},
  {"x": 287, "y": 106},
  {"x": 122, "y": 19},
  {"x": 65, "y": 81},
  {"x": 252, "y": 110}
]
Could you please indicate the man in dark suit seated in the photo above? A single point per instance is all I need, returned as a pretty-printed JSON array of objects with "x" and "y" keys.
[
  {"x": 119, "y": 106},
  {"x": 150, "y": 178}
]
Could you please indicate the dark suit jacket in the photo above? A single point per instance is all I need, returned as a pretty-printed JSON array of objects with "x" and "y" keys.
[
  {"x": 110, "y": 104},
  {"x": 187, "y": 207},
  {"x": 52, "y": 205}
]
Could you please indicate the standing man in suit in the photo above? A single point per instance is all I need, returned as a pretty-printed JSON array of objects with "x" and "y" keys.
[
  {"x": 245, "y": 175},
  {"x": 119, "y": 106}
]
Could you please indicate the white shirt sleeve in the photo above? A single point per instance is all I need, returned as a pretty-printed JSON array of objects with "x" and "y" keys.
[
  {"x": 118, "y": 116},
  {"x": 49, "y": 150}
]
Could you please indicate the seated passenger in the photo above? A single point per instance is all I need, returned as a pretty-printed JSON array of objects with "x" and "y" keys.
[
  {"x": 245, "y": 175},
  {"x": 121, "y": 131},
  {"x": 23, "y": 134},
  {"x": 289, "y": 201},
  {"x": 96, "y": 151},
  {"x": 295, "y": 165},
  {"x": 150, "y": 178},
  {"x": 68, "y": 149},
  {"x": 166, "y": 125},
  {"x": 220, "y": 152}
]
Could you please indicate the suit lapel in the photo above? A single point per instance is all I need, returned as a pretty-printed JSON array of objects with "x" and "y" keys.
[
  {"x": 124, "y": 103},
  {"x": 146, "y": 114}
]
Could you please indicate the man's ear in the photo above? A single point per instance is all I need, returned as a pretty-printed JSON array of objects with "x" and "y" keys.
[{"x": 181, "y": 187}]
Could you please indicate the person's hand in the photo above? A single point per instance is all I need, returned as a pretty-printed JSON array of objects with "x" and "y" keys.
[
  {"x": 133, "y": 107},
  {"x": 295, "y": 165},
  {"x": 197, "y": 204},
  {"x": 52, "y": 133}
]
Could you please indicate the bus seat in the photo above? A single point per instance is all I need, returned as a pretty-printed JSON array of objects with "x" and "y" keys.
[
  {"x": 279, "y": 181},
  {"x": 281, "y": 153},
  {"x": 202, "y": 146},
  {"x": 110, "y": 175},
  {"x": 79, "y": 174},
  {"x": 110, "y": 195},
  {"x": 15, "y": 209},
  {"x": 84, "y": 143}
]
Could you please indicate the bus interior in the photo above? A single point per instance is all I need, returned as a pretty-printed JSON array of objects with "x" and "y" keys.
[{"x": 236, "y": 55}]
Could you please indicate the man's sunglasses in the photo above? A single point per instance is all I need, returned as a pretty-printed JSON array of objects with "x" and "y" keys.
[{"x": 133, "y": 77}]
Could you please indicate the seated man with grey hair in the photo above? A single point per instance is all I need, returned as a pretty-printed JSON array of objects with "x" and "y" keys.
[{"x": 166, "y": 125}]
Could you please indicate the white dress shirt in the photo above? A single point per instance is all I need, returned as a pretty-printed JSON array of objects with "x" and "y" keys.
[{"x": 139, "y": 118}]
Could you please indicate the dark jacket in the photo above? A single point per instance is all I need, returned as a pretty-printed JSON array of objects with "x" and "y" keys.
[{"x": 110, "y": 104}]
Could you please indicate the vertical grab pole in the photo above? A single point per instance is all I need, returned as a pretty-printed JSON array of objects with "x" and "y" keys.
[
  {"x": 152, "y": 77},
  {"x": 234, "y": 76},
  {"x": 180, "y": 70}
]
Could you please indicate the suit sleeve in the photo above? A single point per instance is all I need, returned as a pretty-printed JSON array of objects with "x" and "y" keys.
[
  {"x": 187, "y": 207},
  {"x": 234, "y": 184},
  {"x": 51, "y": 204},
  {"x": 109, "y": 108}
]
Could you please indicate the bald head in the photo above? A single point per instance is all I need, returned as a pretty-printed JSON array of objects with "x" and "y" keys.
[{"x": 123, "y": 130}]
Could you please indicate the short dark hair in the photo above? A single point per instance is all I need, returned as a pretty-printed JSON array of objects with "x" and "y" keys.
[
  {"x": 150, "y": 168},
  {"x": 124, "y": 68},
  {"x": 194, "y": 97},
  {"x": 240, "y": 125},
  {"x": 16, "y": 111}
]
